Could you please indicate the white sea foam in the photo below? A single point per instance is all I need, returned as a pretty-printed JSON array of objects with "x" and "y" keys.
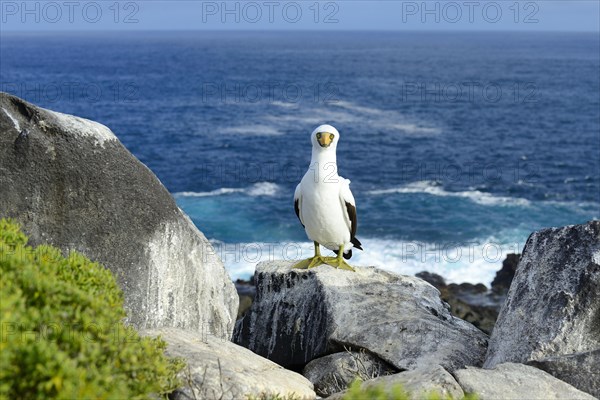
[
  {"x": 475, "y": 262},
  {"x": 414, "y": 129},
  {"x": 263, "y": 189},
  {"x": 257, "y": 189},
  {"x": 387, "y": 120},
  {"x": 435, "y": 189},
  {"x": 284, "y": 104},
  {"x": 252, "y": 130},
  {"x": 344, "y": 112},
  {"x": 216, "y": 192}
]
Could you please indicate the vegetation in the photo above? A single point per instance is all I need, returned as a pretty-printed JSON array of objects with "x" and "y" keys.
[
  {"x": 397, "y": 392},
  {"x": 62, "y": 331}
]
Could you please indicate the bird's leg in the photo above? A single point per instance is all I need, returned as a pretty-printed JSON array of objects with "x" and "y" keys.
[
  {"x": 339, "y": 262},
  {"x": 317, "y": 249},
  {"x": 315, "y": 261}
]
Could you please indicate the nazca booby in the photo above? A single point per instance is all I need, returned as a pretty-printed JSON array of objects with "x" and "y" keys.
[{"x": 324, "y": 203}]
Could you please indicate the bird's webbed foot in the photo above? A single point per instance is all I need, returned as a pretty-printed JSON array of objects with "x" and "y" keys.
[
  {"x": 312, "y": 262},
  {"x": 338, "y": 262},
  {"x": 318, "y": 259}
]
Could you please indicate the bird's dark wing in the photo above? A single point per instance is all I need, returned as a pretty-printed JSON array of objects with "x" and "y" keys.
[
  {"x": 297, "y": 209},
  {"x": 297, "y": 203},
  {"x": 351, "y": 209}
]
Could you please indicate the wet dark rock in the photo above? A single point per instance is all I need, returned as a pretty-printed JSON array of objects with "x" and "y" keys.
[
  {"x": 434, "y": 279},
  {"x": 472, "y": 302},
  {"x": 246, "y": 292},
  {"x": 504, "y": 277}
]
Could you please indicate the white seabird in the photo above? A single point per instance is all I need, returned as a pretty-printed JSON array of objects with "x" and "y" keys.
[{"x": 325, "y": 205}]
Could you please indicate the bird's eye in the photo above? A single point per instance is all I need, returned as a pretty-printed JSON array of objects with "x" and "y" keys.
[
  {"x": 319, "y": 135},
  {"x": 331, "y": 136}
]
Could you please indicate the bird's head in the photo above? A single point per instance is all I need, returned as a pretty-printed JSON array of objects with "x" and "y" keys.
[{"x": 325, "y": 137}]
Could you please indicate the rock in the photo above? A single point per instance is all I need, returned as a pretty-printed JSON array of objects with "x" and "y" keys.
[
  {"x": 504, "y": 277},
  {"x": 553, "y": 305},
  {"x": 434, "y": 279},
  {"x": 244, "y": 306},
  {"x": 480, "y": 316},
  {"x": 418, "y": 383},
  {"x": 246, "y": 292},
  {"x": 219, "y": 369},
  {"x": 300, "y": 315},
  {"x": 70, "y": 182},
  {"x": 511, "y": 381},
  {"x": 473, "y": 303},
  {"x": 581, "y": 370},
  {"x": 335, "y": 372}
]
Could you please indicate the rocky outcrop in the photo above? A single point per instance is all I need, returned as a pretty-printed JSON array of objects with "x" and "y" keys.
[
  {"x": 504, "y": 277},
  {"x": 219, "y": 369},
  {"x": 419, "y": 384},
  {"x": 551, "y": 317},
  {"x": 246, "y": 292},
  {"x": 553, "y": 305},
  {"x": 511, "y": 381},
  {"x": 473, "y": 303},
  {"x": 581, "y": 370},
  {"x": 70, "y": 182},
  {"x": 335, "y": 372},
  {"x": 300, "y": 315}
]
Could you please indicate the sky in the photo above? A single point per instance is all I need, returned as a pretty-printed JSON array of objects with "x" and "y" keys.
[{"x": 475, "y": 15}]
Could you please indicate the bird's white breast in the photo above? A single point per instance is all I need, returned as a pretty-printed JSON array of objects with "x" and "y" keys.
[{"x": 323, "y": 214}]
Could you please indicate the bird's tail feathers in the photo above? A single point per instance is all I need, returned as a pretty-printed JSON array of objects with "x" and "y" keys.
[
  {"x": 347, "y": 254},
  {"x": 357, "y": 244}
]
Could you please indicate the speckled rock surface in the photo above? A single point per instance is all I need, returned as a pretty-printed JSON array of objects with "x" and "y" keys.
[
  {"x": 418, "y": 383},
  {"x": 219, "y": 369},
  {"x": 335, "y": 372},
  {"x": 510, "y": 381},
  {"x": 581, "y": 370},
  {"x": 70, "y": 182},
  {"x": 300, "y": 315},
  {"x": 553, "y": 305}
]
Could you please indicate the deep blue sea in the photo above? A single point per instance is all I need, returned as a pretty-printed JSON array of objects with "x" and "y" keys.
[{"x": 458, "y": 145}]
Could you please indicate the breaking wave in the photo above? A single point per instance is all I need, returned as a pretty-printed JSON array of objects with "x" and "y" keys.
[{"x": 257, "y": 189}]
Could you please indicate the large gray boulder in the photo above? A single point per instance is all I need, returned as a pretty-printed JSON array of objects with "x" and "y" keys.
[
  {"x": 300, "y": 315},
  {"x": 581, "y": 370},
  {"x": 70, "y": 182},
  {"x": 219, "y": 369},
  {"x": 335, "y": 372},
  {"x": 553, "y": 305},
  {"x": 510, "y": 381},
  {"x": 418, "y": 384}
]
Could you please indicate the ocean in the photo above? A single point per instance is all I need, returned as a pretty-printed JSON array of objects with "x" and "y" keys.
[{"x": 458, "y": 145}]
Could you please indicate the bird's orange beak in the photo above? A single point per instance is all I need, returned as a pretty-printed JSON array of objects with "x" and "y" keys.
[{"x": 325, "y": 138}]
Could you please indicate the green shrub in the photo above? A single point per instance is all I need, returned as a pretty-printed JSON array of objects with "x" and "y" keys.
[
  {"x": 397, "y": 392},
  {"x": 62, "y": 333}
]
